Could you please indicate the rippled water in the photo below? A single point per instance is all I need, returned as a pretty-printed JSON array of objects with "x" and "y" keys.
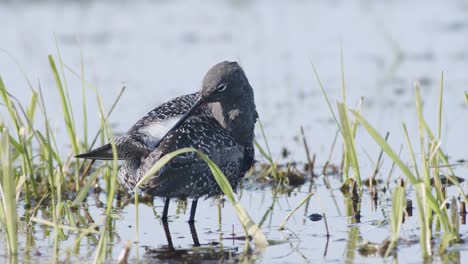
[{"x": 161, "y": 49}]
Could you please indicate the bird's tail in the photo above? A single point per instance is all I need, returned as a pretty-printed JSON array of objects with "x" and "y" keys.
[
  {"x": 101, "y": 153},
  {"x": 127, "y": 147}
]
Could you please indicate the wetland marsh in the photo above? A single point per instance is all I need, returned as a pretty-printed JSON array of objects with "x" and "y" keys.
[{"x": 383, "y": 59}]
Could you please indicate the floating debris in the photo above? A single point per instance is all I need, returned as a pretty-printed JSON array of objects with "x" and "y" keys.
[
  {"x": 409, "y": 207},
  {"x": 367, "y": 182},
  {"x": 285, "y": 152},
  {"x": 315, "y": 217},
  {"x": 370, "y": 249},
  {"x": 295, "y": 177},
  {"x": 462, "y": 213},
  {"x": 446, "y": 181}
]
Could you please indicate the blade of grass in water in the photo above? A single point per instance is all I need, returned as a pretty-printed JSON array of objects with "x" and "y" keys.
[
  {"x": 386, "y": 147},
  {"x": 252, "y": 229},
  {"x": 262, "y": 151},
  {"x": 83, "y": 102},
  {"x": 349, "y": 141},
  {"x": 426, "y": 201},
  {"x": 424, "y": 225},
  {"x": 84, "y": 190},
  {"x": 265, "y": 139},
  {"x": 433, "y": 203},
  {"x": 398, "y": 208},
  {"x": 425, "y": 168},
  {"x": 441, "y": 96},
  {"x": 267, "y": 153},
  {"x": 111, "y": 186},
  {"x": 343, "y": 83},
  {"x": 326, "y": 98},
  {"x": 281, "y": 227},
  {"x": 67, "y": 112},
  {"x": 65, "y": 107},
  {"x": 8, "y": 195},
  {"x": 410, "y": 146},
  {"x": 22, "y": 145},
  {"x": 348, "y": 132},
  {"x": 51, "y": 224}
]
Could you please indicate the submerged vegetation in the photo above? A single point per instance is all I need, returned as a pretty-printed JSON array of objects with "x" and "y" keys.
[
  {"x": 430, "y": 191},
  {"x": 52, "y": 187}
]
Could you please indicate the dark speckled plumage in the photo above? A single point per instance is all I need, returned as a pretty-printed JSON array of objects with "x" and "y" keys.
[{"x": 219, "y": 120}]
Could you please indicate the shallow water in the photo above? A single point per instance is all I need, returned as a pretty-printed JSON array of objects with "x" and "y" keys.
[
  {"x": 222, "y": 239},
  {"x": 161, "y": 49}
]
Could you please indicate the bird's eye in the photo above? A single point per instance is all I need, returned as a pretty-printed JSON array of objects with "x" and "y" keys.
[{"x": 221, "y": 87}]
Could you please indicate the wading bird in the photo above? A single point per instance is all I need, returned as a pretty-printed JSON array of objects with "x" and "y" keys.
[{"x": 219, "y": 120}]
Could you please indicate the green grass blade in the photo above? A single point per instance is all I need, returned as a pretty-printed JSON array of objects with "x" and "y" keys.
[
  {"x": 386, "y": 147},
  {"x": 424, "y": 161},
  {"x": 305, "y": 199},
  {"x": 64, "y": 227},
  {"x": 454, "y": 217},
  {"x": 85, "y": 188},
  {"x": 410, "y": 146},
  {"x": 262, "y": 151},
  {"x": 267, "y": 154},
  {"x": 349, "y": 141},
  {"x": 31, "y": 109},
  {"x": 158, "y": 165},
  {"x": 324, "y": 93},
  {"x": 83, "y": 102},
  {"x": 65, "y": 107},
  {"x": 444, "y": 159},
  {"x": 398, "y": 208},
  {"x": 343, "y": 83},
  {"x": 9, "y": 195},
  {"x": 9, "y": 105},
  {"x": 424, "y": 225},
  {"x": 251, "y": 228},
  {"x": 441, "y": 94}
]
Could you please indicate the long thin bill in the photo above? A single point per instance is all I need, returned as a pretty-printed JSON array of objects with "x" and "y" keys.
[{"x": 192, "y": 109}]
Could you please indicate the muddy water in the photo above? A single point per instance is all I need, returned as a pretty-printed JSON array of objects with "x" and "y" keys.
[{"x": 161, "y": 49}]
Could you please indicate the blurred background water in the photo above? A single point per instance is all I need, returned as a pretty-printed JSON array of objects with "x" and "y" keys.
[{"x": 161, "y": 49}]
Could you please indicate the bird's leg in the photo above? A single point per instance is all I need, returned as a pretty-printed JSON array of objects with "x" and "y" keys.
[
  {"x": 166, "y": 208},
  {"x": 168, "y": 236},
  {"x": 193, "y": 231},
  {"x": 193, "y": 209}
]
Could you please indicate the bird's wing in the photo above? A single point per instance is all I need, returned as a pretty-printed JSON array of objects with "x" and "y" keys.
[
  {"x": 154, "y": 125},
  {"x": 201, "y": 132},
  {"x": 147, "y": 132}
]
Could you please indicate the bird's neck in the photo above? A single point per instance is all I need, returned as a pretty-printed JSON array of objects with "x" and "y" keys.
[{"x": 237, "y": 116}]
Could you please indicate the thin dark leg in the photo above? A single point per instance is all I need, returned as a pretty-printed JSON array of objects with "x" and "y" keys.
[
  {"x": 193, "y": 209},
  {"x": 193, "y": 231},
  {"x": 166, "y": 208},
  {"x": 168, "y": 236}
]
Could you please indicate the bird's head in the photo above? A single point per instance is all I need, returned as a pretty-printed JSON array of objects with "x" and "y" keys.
[{"x": 223, "y": 82}]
